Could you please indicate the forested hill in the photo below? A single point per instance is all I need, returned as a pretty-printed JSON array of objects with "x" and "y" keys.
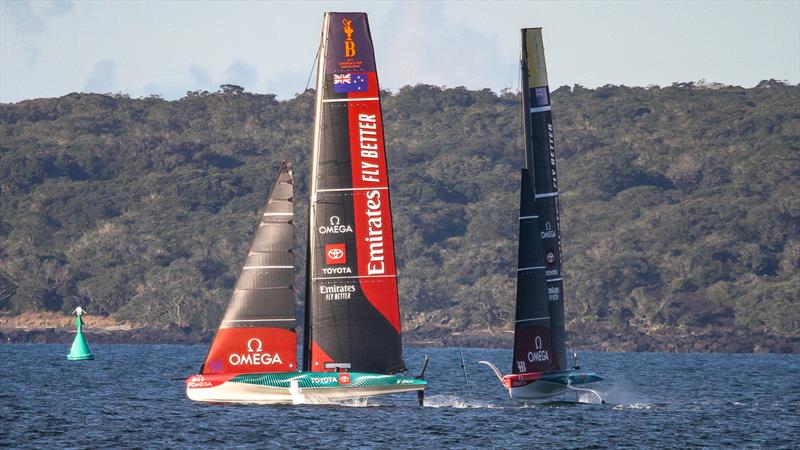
[{"x": 681, "y": 205}]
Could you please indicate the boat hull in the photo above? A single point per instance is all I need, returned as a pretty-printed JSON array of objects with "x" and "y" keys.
[
  {"x": 539, "y": 386},
  {"x": 296, "y": 387}
]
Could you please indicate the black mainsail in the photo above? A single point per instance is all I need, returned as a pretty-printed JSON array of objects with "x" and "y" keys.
[
  {"x": 257, "y": 333},
  {"x": 352, "y": 312},
  {"x": 539, "y": 330}
]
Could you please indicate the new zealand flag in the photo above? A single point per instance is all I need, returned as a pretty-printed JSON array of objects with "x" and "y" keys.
[{"x": 350, "y": 82}]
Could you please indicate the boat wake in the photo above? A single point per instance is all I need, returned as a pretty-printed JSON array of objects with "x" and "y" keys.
[
  {"x": 640, "y": 406},
  {"x": 362, "y": 402},
  {"x": 455, "y": 401},
  {"x": 589, "y": 397},
  {"x": 621, "y": 394},
  {"x": 315, "y": 400}
]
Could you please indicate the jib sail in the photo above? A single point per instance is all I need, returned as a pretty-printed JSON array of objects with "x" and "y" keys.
[
  {"x": 540, "y": 336},
  {"x": 257, "y": 333},
  {"x": 353, "y": 313}
]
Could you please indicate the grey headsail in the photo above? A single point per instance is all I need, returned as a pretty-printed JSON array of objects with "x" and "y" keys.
[
  {"x": 539, "y": 331},
  {"x": 352, "y": 299},
  {"x": 257, "y": 333}
]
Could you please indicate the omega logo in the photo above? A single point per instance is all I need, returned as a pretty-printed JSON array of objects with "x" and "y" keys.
[{"x": 250, "y": 347}]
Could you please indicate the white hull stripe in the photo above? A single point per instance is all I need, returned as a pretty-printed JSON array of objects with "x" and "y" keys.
[
  {"x": 549, "y": 194},
  {"x": 528, "y": 217},
  {"x": 267, "y": 267},
  {"x": 259, "y": 320},
  {"x": 530, "y": 268},
  {"x": 347, "y": 278},
  {"x": 278, "y": 214},
  {"x": 532, "y": 319},
  {"x": 555, "y": 279},
  {"x": 365, "y": 99},
  {"x": 540, "y": 109},
  {"x": 354, "y": 189}
]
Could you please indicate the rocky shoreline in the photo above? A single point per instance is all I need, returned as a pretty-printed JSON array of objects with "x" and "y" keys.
[
  {"x": 591, "y": 336},
  {"x": 140, "y": 335},
  {"x": 600, "y": 337}
]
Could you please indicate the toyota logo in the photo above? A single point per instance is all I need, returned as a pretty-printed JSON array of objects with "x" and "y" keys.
[{"x": 335, "y": 253}]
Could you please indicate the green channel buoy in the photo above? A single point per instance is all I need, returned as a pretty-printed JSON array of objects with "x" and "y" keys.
[{"x": 80, "y": 348}]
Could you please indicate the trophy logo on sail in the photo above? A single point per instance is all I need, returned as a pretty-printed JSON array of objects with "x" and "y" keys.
[{"x": 349, "y": 43}]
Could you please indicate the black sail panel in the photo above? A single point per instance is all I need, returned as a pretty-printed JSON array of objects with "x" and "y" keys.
[
  {"x": 532, "y": 332},
  {"x": 257, "y": 332},
  {"x": 352, "y": 302},
  {"x": 543, "y": 180}
]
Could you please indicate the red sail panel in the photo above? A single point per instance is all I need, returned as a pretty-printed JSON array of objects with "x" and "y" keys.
[
  {"x": 320, "y": 359},
  {"x": 532, "y": 350},
  {"x": 373, "y": 216},
  {"x": 354, "y": 317},
  {"x": 376, "y": 253},
  {"x": 252, "y": 350}
]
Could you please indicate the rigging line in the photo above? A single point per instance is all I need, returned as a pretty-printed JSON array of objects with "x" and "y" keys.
[{"x": 314, "y": 64}]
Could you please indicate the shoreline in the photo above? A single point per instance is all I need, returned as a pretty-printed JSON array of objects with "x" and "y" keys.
[{"x": 592, "y": 336}]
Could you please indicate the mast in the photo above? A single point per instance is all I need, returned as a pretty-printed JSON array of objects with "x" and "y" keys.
[
  {"x": 352, "y": 302},
  {"x": 540, "y": 336},
  {"x": 307, "y": 328},
  {"x": 257, "y": 333}
]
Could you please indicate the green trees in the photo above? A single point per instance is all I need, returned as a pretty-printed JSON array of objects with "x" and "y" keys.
[{"x": 679, "y": 203}]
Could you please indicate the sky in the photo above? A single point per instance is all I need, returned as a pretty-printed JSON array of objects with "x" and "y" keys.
[{"x": 166, "y": 48}]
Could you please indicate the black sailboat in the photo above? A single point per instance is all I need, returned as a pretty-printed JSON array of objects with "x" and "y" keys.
[
  {"x": 539, "y": 368},
  {"x": 352, "y": 345}
]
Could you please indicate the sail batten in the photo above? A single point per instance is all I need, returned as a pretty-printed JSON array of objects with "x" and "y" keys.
[{"x": 352, "y": 308}]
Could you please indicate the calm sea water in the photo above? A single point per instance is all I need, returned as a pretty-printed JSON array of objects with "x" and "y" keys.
[{"x": 130, "y": 397}]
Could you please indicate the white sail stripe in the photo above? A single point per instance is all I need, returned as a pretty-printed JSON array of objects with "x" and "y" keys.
[
  {"x": 278, "y": 214},
  {"x": 532, "y": 319},
  {"x": 267, "y": 267},
  {"x": 549, "y": 194},
  {"x": 263, "y": 288},
  {"x": 554, "y": 279},
  {"x": 528, "y": 217},
  {"x": 530, "y": 268},
  {"x": 540, "y": 109},
  {"x": 354, "y": 189},
  {"x": 259, "y": 320},
  {"x": 365, "y": 99},
  {"x": 347, "y": 278}
]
